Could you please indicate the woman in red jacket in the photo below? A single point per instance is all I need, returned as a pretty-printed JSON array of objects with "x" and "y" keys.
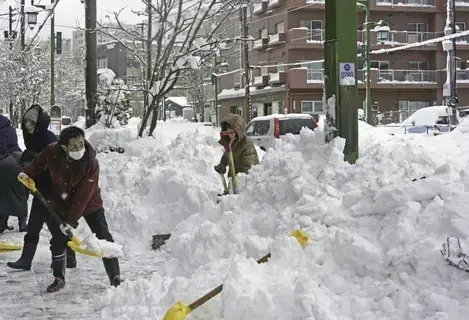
[{"x": 74, "y": 171}]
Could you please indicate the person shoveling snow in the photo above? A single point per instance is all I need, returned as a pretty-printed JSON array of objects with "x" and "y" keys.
[{"x": 74, "y": 171}]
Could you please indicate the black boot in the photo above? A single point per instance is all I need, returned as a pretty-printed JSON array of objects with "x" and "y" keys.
[
  {"x": 71, "y": 258},
  {"x": 24, "y": 262},
  {"x": 58, "y": 268},
  {"x": 111, "y": 265},
  {"x": 22, "y": 224}
]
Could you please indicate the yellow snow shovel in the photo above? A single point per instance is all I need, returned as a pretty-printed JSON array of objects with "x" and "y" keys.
[
  {"x": 74, "y": 243},
  {"x": 179, "y": 311}
]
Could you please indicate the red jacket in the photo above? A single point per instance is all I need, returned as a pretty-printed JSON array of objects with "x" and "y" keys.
[{"x": 75, "y": 184}]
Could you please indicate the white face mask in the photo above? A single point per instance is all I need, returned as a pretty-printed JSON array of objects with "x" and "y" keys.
[{"x": 76, "y": 155}]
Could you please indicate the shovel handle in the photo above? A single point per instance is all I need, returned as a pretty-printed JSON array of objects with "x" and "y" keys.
[
  {"x": 234, "y": 179},
  {"x": 27, "y": 182},
  {"x": 226, "y": 190},
  {"x": 217, "y": 290}
]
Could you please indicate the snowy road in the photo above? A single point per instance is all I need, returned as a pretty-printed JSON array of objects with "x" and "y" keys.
[{"x": 23, "y": 294}]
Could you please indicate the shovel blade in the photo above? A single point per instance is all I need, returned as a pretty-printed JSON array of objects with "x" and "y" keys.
[
  {"x": 79, "y": 249},
  {"x": 10, "y": 247}
]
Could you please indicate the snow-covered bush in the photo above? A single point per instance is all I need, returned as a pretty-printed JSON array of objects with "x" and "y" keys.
[{"x": 113, "y": 103}]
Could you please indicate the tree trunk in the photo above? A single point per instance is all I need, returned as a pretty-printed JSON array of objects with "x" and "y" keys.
[
  {"x": 143, "y": 125},
  {"x": 154, "y": 121}
]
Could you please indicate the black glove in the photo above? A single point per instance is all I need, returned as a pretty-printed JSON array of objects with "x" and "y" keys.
[{"x": 221, "y": 169}]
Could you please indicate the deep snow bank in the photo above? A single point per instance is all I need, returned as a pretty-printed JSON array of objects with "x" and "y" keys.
[
  {"x": 158, "y": 181},
  {"x": 375, "y": 239}
]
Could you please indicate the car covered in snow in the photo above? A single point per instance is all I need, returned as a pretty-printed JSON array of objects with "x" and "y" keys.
[{"x": 265, "y": 129}]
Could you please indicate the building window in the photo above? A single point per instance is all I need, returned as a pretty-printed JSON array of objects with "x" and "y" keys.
[
  {"x": 417, "y": 32},
  {"x": 311, "y": 107},
  {"x": 380, "y": 65},
  {"x": 280, "y": 68},
  {"x": 279, "y": 27},
  {"x": 418, "y": 65},
  {"x": 102, "y": 63},
  {"x": 315, "y": 70},
  {"x": 407, "y": 108},
  {"x": 315, "y": 29}
]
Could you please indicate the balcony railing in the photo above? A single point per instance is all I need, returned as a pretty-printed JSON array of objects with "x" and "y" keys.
[
  {"x": 258, "y": 44},
  {"x": 462, "y": 3},
  {"x": 463, "y": 39},
  {"x": 407, "y": 76},
  {"x": 260, "y": 7},
  {"x": 316, "y": 35},
  {"x": 400, "y": 37},
  {"x": 413, "y": 3},
  {"x": 462, "y": 76}
]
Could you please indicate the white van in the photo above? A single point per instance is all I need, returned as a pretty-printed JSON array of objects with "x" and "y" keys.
[{"x": 264, "y": 130}]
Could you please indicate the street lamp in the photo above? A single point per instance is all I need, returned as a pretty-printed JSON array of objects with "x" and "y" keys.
[
  {"x": 32, "y": 19},
  {"x": 384, "y": 34}
]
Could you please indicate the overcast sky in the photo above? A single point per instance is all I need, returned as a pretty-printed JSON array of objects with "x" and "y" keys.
[{"x": 71, "y": 13}]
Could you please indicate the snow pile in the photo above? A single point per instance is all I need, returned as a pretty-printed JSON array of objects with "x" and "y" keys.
[
  {"x": 375, "y": 228},
  {"x": 158, "y": 181},
  {"x": 103, "y": 247}
]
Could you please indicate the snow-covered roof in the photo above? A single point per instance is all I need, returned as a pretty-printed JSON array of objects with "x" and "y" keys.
[{"x": 180, "y": 101}]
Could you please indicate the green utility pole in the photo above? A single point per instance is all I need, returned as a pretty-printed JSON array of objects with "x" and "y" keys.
[
  {"x": 52, "y": 58},
  {"x": 368, "y": 63},
  {"x": 340, "y": 54}
]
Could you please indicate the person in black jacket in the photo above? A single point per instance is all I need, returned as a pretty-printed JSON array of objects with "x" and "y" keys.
[{"x": 36, "y": 135}]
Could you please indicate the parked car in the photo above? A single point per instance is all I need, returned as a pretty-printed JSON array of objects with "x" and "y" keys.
[{"x": 264, "y": 130}]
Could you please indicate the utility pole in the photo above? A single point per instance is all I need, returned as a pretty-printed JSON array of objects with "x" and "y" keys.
[
  {"x": 449, "y": 88},
  {"x": 10, "y": 26},
  {"x": 22, "y": 25},
  {"x": 247, "y": 68},
  {"x": 91, "y": 63},
  {"x": 368, "y": 63},
  {"x": 149, "y": 73},
  {"x": 52, "y": 58},
  {"x": 340, "y": 75}
]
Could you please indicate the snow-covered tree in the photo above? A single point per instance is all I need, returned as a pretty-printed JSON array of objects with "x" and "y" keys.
[
  {"x": 70, "y": 82},
  {"x": 24, "y": 77},
  {"x": 113, "y": 106},
  {"x": 186, "y": 35}
]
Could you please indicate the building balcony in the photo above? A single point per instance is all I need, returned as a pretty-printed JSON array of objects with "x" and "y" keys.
[
  {"x": 405, "y": 5},
  {"x": 462, "y": 5},
  {"x": 261, "y": 81},
  {"x": 273, "y": 4},
  {"x": 260, "y": 44},
  {"x": 302, "y": 78},
  {"x": 260, "y": 8},
  {"x": 278, "y": 78},
  {"x": 395, "y": 38},
  {"x": 407, "y": 76},
  {"x": 275, "y": 39}
]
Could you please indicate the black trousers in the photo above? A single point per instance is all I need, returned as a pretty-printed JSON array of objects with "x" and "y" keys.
[
  {"x": 96, "y": 221},
  {"x": 37, "y": 218}
]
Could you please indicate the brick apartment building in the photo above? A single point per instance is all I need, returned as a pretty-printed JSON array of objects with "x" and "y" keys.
[{"x": 292, "y": 31}]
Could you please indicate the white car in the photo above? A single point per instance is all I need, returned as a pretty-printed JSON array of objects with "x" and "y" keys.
[{"x": 264, "y": 130}]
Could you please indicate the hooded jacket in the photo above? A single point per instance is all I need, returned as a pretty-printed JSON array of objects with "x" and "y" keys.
[
  {"x": 244, "y": 152},
  {"x": 75, "y": 183},
  {"x": 41, "y": 137},
  {"x": 8, "y": 138}
]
